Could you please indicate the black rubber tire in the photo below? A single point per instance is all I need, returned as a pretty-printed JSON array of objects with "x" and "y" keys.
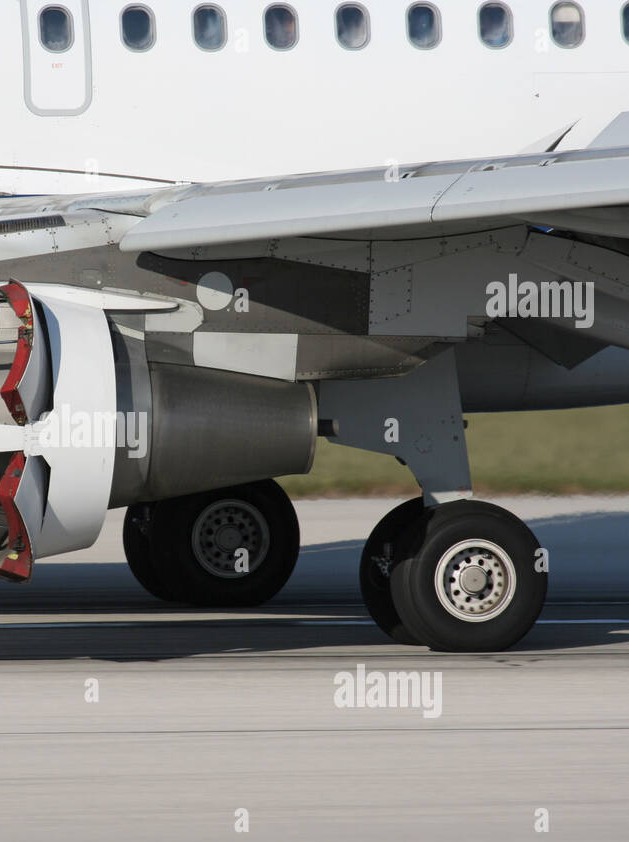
[
  {"x": 413, "y": 588},
  {"x": 176, "y": 562},
  {"x": 374, "y": 585},
  {"x": 135, "y": 540}
]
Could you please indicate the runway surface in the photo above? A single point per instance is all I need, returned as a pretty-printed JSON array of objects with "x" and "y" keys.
[{"x": 123, "y": 717}]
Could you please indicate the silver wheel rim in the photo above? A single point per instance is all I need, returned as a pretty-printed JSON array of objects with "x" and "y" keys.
[
  {"x": 224, "y": 528},
  {"x": 475, "y": 580}
]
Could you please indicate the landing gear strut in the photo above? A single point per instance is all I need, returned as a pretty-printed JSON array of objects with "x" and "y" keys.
[
  {"x": 376, "y": 565},
  {"x": 135, "y": 540}
]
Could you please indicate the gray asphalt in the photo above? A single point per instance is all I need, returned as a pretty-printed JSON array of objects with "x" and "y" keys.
[{"x": 202, "y": 714}]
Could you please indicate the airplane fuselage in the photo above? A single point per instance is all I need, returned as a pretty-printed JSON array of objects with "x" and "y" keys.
[{"x": 100, "y": 116}]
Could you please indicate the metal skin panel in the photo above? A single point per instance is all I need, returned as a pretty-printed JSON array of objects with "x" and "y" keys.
[
  {"x": 264, "y": 355},
  {"x": 391, "y": 296},
  {"x": 505, "y": 375},
  {"x": 441, "y": 286},
  {"x": 299, "y": 212},
  {"x": 88, "y": 229},
  {"x": 237, "y": 428},
  {"x": 133, "y": 395},
  {"x": 84, "y": 381},
  {"x": 424, "y": 407},
  {"x": 614, "y": 135},
  {"x": 519, "y": 191},
  {"x": 114, "y": 301},
  {"x": 334, "y": 357},
  {"x": 283, "y": 296}
]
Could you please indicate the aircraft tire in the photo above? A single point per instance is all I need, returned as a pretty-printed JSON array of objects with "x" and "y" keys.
[
  {"x": 235, "y": 547},
  {"x": 467, "y": 580}
]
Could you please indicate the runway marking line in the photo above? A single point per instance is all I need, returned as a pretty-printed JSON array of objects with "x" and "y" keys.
[{"x": 258, "y": 622}]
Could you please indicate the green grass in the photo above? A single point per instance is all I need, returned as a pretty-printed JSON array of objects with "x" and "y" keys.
[{"x": 583, "y": 450}]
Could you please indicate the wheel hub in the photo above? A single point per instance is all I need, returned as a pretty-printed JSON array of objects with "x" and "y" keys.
[
  {"x": 222, "y": 531},
  {"x": 228, "y": 538},
  {"x": 475, "y": 580}
]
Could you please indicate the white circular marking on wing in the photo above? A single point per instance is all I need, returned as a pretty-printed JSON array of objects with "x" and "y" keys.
[{"x": 215, "y": 291}]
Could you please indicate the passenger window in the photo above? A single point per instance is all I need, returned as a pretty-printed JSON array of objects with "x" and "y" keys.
[
  {"x": 280, "y": 26},
  {"x": 567, "y": 25},
  {"x": 138, "y": 28},
  {"x": 352, "y": 26},
  {"x": 210, "y": 28},
  {"x": 625, "y": 22},
  {"x": 424, "y": 26},
  {"x": 55, "y": 29},
  {"x": 496, "y": 25}
]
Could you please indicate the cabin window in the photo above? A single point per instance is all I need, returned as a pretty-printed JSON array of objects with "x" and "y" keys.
[
  {"x": 495, "y": 23},
  {"x": 567, "y": 25},
  {"x": 424, "y": 26},
  {"x": 625, "y": 22},
  {"x": 138, "y": 28},
  {"x": 352, "y": 26},
  {"x": 210, "y": 27},
  {"x": 55, "y": 29},
  {"x": 280, "y": 27}
]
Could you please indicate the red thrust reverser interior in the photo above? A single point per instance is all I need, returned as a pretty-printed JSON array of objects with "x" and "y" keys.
[
  {"x": 16, "y": 558},
  {"x": 20, "y": 302}
]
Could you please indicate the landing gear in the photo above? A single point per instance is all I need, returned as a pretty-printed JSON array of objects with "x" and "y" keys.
[
  {"x": 466, "y": 578},
  {"x": 135, "y": 539},
  {"x": 375, "y": 568},
  {"x": 232, "y": 547}
]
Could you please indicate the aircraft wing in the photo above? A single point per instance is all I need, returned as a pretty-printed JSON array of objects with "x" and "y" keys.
[{"x": 584, "y": 191}]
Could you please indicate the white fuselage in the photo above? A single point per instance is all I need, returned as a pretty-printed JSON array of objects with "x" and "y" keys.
[{"x": 101, "y": 117}]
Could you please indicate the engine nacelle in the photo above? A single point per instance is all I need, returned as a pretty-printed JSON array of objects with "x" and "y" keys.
[{"x": 95, "y": 426}]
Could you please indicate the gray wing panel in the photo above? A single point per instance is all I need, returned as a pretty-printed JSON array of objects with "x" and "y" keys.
[
  {"x": 480, "y": 195},
  {"x": 516, "y": 191},
  {"x": 320, "y": 209}
]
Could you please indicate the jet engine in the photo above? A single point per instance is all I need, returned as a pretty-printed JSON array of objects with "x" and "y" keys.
[{"x": 93, "y": 424}]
